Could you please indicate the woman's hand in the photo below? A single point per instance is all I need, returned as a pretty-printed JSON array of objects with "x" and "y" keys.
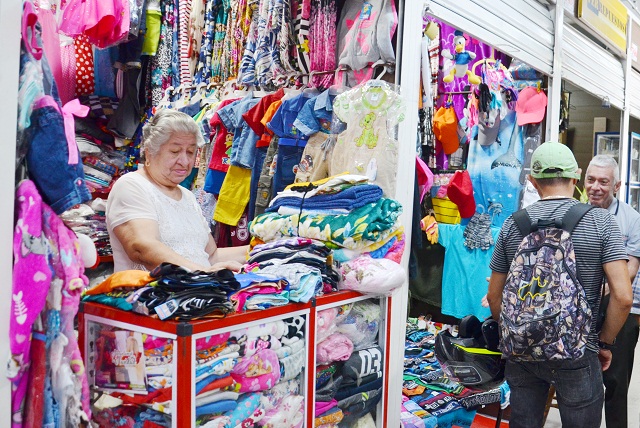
[{"x": 231, "y": 265}]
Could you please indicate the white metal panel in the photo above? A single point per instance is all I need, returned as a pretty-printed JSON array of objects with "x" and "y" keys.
[
  {"x": 522, "y": 29},
  {"x": 632, "y": 94},
  {"x": 591, "y": 67}
]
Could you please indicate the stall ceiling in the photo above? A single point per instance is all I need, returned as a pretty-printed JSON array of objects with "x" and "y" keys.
[{"x": 522, "y": 29}]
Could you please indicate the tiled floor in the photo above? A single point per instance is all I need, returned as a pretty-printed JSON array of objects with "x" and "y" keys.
[{"x": 553, "y": 420}]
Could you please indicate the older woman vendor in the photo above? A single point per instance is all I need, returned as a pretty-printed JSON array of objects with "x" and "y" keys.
[{"x": 151, "y": 218}]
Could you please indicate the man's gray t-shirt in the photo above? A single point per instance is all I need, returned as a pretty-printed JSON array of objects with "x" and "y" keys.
[
  {"x": 596, "y": 240},
  {"x": 629, "y": 222}
]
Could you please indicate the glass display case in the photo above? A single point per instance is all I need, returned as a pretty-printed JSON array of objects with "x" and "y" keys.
[{"x": 607, "y": 143}]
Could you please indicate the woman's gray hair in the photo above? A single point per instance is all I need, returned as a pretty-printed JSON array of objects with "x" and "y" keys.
[
  {"x": 606, "y": 161},
  {"x": 163, "y": 125}
]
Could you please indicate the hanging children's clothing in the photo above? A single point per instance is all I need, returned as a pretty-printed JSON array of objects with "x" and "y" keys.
[
  {"x": 316, "y": 121},
  {"x": 364, "y": 34},
  {"x": 291, "y": 141},
  {"x": 369, "y": 145}
]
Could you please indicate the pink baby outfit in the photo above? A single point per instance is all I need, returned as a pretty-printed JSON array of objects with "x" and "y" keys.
[{"x": 104, "y": 22}]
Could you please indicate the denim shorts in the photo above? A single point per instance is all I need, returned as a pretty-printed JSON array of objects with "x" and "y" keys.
[
  {"x": 61, "y": 185},
  {"x": 286, "y": 166}
]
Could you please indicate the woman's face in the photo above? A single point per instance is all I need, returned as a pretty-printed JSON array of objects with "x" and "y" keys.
[{"x": 175, "y": 160}]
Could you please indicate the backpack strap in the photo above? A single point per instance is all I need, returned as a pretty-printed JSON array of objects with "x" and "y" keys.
[
  {"x": 523, "y": 221},
  {"x": 574, "y": 215}
]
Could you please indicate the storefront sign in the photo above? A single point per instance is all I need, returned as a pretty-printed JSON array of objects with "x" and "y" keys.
[
  {"x": 635, "y": 45},
  {"x": 608, "y": 20}
]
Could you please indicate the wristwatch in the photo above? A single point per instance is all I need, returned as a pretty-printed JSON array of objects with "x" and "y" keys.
[{"x": 605, "y": 345}]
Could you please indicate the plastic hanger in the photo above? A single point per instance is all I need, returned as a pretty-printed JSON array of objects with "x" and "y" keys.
[{"x": 166, "y": 99}]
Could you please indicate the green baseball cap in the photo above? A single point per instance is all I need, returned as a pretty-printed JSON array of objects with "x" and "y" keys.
[{"x": 552, "y": 160}]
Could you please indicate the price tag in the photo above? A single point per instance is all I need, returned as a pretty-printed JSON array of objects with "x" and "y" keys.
[{"x": 166, "y": 309}]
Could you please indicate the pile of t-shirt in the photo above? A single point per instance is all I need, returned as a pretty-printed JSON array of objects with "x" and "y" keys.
[
  {"x": 168, "y": 291},
  {"x": 305, "y": 264},
  {"x": 349, "y": 370},
  {"x": 431, "y": 399},
  {"x": 251, "y": 376}
]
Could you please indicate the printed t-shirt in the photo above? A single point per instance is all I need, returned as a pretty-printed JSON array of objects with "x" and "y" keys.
[
  {"x": 224, "y": 138},
  {"x": 265, "y": 139},
  {"x": 282, "y": 122},
  {"x": 464, "y": 273},
  {"x": 254, "y": 115},
  {"x": 369, "y": 146},
  {"x": 244, "y": 139}
]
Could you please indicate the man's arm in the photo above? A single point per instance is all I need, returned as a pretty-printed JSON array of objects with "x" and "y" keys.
[
  {"x": 620, "y": 302},
  {"x": 494, "y": 295},
  {"x": 632, "y": 266}
]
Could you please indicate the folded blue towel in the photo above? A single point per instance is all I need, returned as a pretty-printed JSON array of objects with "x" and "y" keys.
[{"x": 350, "y": 198}]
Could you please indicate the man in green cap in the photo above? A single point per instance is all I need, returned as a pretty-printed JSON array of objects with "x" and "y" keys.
[{"x": 598, "y": 252}]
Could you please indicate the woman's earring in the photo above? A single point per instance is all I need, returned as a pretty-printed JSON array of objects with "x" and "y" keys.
[{"x": 147, "y": 162}]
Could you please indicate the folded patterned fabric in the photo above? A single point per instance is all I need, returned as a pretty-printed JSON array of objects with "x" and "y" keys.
[
  {"x": 291, "y": 365},
  {"x": 324, "y": 373},
  {"x": 363, "y": 228},
  {"x": 276, "y": 288},
  {"x": 247, "y": 405},
  {"x": 275, "y": 329},
  {"x": 336, "y": 347},
  {"x": 254, "y": 344},
  {"x": 348, "y": 199},
  {"x": 273, "y": 397},
  {"x": 211, "y": 341},
  {"x": 294, "y": 329},
  {"x": 218, "y": 366},
  {"x": 218, "y": 422},
  {"x": 293, "y": 346},
  {"x": 266, "y": 300},
  {"x": 289, "y": 413},
  {"x": 331, "y": 416},
  {"x": 258, "y": 372}
]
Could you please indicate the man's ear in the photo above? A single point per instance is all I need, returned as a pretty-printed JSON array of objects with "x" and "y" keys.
[{"x": 617, "y": 187}]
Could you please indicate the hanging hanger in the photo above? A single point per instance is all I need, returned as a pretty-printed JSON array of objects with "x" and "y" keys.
[
  {"x": 197, "y": 96},
  {"x": 166, "y": 99}
]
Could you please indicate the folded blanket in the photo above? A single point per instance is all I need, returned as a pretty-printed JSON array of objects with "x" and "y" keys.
[
  {"x": 336, "y": 347},
  {"x": 348, "y": 199},
  {"x": 367, "y": 227}
]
